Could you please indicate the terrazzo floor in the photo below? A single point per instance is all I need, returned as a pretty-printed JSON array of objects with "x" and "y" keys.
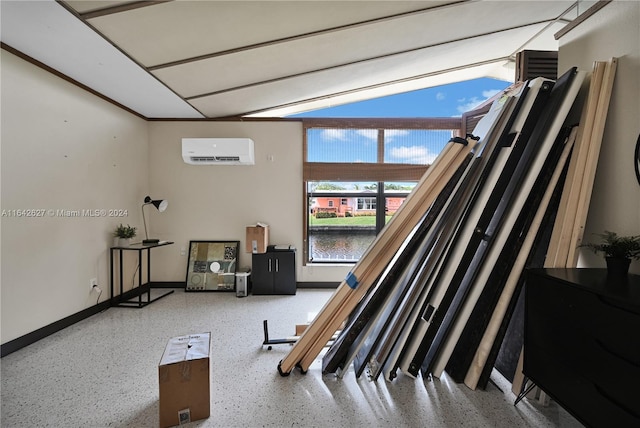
[{"x": 103, "y": 372}]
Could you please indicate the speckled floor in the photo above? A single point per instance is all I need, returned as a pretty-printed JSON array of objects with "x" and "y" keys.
[{"x": 103, "y": 372}]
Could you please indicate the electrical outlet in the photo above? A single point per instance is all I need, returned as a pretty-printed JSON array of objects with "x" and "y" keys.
[{"x": 93, "y": 282}]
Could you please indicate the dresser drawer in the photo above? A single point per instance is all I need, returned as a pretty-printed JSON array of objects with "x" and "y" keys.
[
  {"x": 565, "y": 317},
  {"x": 580, "y": 344},
  {"x": 593, "y": 404}
]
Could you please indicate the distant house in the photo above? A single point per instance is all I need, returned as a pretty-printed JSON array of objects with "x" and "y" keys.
[{"x": 349, "y": 203}]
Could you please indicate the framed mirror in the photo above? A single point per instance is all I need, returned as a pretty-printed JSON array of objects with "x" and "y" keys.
[{"x": 212, "y": 265}]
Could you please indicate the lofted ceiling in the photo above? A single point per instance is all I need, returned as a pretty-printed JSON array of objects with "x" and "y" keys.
[{"x": 214, "y": 59}]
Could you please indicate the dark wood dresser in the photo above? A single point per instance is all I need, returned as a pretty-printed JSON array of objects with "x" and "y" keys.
[{"x": 582, "y": 343}]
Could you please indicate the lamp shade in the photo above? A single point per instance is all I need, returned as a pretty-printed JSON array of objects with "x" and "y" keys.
[{"x": 160, "y": 204}]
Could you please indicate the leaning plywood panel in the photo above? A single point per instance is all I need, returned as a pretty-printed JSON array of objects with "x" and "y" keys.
[
  {"x": 379, "y": 339},
  {"x": 388, "y": 318},
  {"x": 570, "y": 222},
  {"x": 383, "y": 352},
  {"x": 374, "y": 260},
  {"x": 565, "y": 219},
  {"x": 497, "y": 315},
  {"x": 336, "y": 358},
  {"x": 437, "y": 299},
  {"x": 595, "y": 141},
  {"x": 505, "y": 247},
  {"x": 392, "y": 243},
  {"x": 362, "y": 318},
  {"x": 535, "y": 139}
]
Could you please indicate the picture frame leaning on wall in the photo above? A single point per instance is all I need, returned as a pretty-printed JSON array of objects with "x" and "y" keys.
[{"x": 212, "y": 265}]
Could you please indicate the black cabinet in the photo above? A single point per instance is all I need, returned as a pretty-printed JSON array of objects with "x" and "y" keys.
[
  {"x": 581, "y": 342},
  {"x": 274, "y": 272}
]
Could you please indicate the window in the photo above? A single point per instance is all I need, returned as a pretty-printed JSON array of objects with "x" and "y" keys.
[
  {"x": 357, "y": 173},
  {"x": 366, "y": 204}
]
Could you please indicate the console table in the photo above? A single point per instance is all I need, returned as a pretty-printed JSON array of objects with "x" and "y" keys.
[
  {"x": 581, "y": 342},
  {"x": 134, "y": 298}
]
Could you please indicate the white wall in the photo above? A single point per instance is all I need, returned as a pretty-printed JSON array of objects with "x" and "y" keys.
[
  {"x": 62, "y": 149},
  {"x": 218, "y": 202},
  {"x": 614, "y": 31}
]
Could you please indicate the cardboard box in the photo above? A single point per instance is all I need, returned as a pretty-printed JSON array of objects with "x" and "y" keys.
[
  {"x": 184, "y": 379},
  {"x": 257, "y": 239}
]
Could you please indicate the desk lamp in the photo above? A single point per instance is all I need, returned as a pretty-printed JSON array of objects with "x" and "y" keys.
[{"x": 161, "y": 205}]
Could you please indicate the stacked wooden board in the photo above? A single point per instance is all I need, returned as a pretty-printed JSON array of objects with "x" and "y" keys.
[
  {"x": 375, "y": 259},
  {"x": 568, "y": 227},
  {"x": 433, "y": 291}
]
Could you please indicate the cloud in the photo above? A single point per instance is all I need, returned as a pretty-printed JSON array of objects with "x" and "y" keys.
[
  {"x": 415, "y": 154},
  {"x": 371, "y": 134},
  {"x": 440, "y": 96},
  {"x": 469, "y": 104},
  {"x": 334, "y": 134},
  {"x": 490, "y": 92},
  {"x": 353, "y": 134},
  {"x": 349, "y": 134},
  {"x": 390, "y": 134},
  {"x": 466, "y": 104}
]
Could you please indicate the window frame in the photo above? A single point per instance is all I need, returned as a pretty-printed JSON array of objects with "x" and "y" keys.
[{"x": 378, "y": 172}]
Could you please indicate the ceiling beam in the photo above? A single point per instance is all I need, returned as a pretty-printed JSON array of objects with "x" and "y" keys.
[
  {"x": 375, "y": 86},
  {"x": 581, "y": 18},
  {"x": 68, "y": 79},
  {"x": 309, "y": 34},
  {"x": 559, "y": 18},
  {"x": 124, "y": 7},
  {"x": 360, "y": 61}
]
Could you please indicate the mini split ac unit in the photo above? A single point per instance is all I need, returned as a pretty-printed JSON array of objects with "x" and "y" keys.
[{"x": 218, "y": 151}]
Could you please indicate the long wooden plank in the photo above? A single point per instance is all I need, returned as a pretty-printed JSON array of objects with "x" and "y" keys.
[
  {"x": 558, "y": 250},
  {"x": 571, "y": 224},
  {"x": 411, "y": 308},
  {"x": 336, "y": 356},
  {"x": 370, "y": 255},
  {"x": 561, "y": 235},
  {"x": 395, "y": 316},
  {"x": 498, "y": 282},
  {"x": 507, "y": 244},
  {"x": 510, "y": 330},
  {"x": 389, "y": 250},
  {"x": 595, "y": 142},
  {"x": 377, "y": 351},
  {"x": 418, "y": 325},
  {"x": 489, "y": 336},
  {"x": 361, "y": 289},
  {"x": 511, "y": 193},
  {"x": 370, "y": 264},
  {"x": 490, "y": 123},
  {"x": 465, "y": 260}
]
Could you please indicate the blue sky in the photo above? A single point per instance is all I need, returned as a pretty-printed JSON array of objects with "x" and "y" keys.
[
  {"x": 441, "y": 101},
  {"x": 401, "y": 146}
]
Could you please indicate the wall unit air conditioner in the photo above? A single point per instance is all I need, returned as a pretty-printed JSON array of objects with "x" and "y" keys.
[{"x": 218, "y": 151}]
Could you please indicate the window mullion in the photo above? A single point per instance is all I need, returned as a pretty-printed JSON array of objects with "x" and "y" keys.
[{"x": 380, "y": 207}]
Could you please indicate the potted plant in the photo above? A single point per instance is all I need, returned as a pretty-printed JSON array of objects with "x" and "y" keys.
[
  {"x": 618, "y": 250},
  {"x": 123, "y": 234}
]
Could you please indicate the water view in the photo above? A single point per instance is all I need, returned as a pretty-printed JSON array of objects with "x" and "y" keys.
[{"x": 339, "y": 246}]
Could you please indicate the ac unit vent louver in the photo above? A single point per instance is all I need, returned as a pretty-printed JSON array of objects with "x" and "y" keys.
[
  {"x": 215, "y": 158},
  {"x": 218, "y": 151}
]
